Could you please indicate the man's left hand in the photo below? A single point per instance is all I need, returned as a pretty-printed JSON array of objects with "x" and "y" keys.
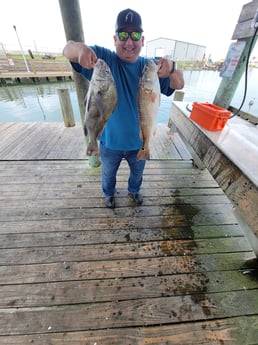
[{"x": 166, "y": 66}]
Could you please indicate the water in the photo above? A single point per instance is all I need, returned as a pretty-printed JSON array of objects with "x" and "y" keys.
[
  {"x": 37, "y": 102},
  {"x": 40, "y": 102}
]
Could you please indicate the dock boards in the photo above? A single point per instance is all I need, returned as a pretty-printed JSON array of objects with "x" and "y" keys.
[{"x": 176, "y": 270}]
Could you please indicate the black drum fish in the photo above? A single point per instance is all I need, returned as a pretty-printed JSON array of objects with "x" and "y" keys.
[{"x": 101, "y": 100}]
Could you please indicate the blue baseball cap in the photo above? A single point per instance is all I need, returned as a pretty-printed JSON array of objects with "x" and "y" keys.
[{"x": 128, "y": 18}]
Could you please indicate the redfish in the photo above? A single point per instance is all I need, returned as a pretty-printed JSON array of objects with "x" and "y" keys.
[
  {"x": 148, "y": 106},
  {"x": 101, "y": 100}
]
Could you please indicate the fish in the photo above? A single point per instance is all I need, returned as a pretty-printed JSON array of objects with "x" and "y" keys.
[
  {"x": 148, "y": 100},
  {"x": 101, "y": 100}
]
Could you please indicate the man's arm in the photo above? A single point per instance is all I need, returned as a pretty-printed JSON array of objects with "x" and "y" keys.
[
  {"x": 176, "y": 80},
  {"x": 79, "y": 52}
]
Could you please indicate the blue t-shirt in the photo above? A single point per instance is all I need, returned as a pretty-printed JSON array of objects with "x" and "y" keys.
[{"x": 122, "y": 129}]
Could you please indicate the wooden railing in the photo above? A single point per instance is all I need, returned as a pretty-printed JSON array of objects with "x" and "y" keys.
[{"x": 18, "y": 65}]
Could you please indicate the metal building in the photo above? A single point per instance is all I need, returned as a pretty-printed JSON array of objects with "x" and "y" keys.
[{"x": 176, "y": 50}]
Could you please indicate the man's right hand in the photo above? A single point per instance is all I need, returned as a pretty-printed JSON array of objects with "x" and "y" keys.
[
  {"x": 87, "y": 57},
  {"x": 81, "y": 53}
]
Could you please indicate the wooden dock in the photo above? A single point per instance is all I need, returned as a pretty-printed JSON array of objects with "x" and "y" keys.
[
  {"x": 176, "y": 270},
  {"x": 39, "y": 71},
  {"x": 231, "y": 156}
]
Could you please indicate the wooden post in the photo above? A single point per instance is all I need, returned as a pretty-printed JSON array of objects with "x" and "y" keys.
[
  {"x": 178, "y": 96},
  {"x": 228, "y": 86},
  {"x": 243, "y": 31},
  {"x": 72, "y": 21},
  {"x": 66, "y": 106}
]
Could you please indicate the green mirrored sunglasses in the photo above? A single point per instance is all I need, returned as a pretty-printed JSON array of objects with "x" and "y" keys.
[{"x": 124, "y": 35}]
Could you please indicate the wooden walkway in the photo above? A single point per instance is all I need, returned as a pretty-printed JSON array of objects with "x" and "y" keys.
[
  {"x": 51, "y": 140},
  {"x": 40, "y": 70},
  {"x": 176, "y": 270}
]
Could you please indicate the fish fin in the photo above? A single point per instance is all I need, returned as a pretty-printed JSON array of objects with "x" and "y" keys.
[
  {"x": 143, "y": 154},
  {"x": 154, "y": 96},
  {"x": 87, "y": 99},
  {"x": 92, "y": 148}
]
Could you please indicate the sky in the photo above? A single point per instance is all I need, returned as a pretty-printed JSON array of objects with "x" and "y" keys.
[{"x": 40, "y": 28}]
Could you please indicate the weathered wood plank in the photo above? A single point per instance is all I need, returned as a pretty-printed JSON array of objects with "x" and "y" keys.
[
  {"x": 162, "y": 144},
  {"x": 68, "y": 146},
  {"x": 140, "y": 312},
  {"x": 233, "y": 331},
  {"x": 178, "y": 218},
  {"x": 106, "y": 290},
  {"x": 117, "y": 251},
  {"x": 69, "y": 200},
  {"x": 110, "y": 269},
  {"x": 187, "y": 196},
  {"x": 243, "y": 28},
  {"x": 184, "y": 153},
  {"x": 114, "y": 224},
  {"x": 34, "y": 144},
  {"x": 77, "y": 163},
  {"x": 19, "y": 132},
  {"x": 54, "y": 141},
  {"x": 36, "y": 140},
  {"x": 81, "y": 170},
  {"x": 189, "y": 180},
  {"x": 114, "y": 235},
  {"x": 5, "y": 131},
  {"x": 159, "y": 183}
]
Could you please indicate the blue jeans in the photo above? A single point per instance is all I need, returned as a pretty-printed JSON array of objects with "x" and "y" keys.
[{"x": 111, "y": 160}]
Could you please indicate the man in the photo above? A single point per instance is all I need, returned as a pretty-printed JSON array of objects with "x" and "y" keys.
[{"x": 120, "y": 138}]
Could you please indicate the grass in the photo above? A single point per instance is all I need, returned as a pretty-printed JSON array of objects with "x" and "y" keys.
[{"x": 36, "y": 56}]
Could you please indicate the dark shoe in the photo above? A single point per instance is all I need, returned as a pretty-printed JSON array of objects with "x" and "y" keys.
[
  {"x": 137, "y": 198},
  {"x": 110, "y": 201}
]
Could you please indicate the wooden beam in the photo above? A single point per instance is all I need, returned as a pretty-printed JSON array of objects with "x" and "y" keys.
[
  {"x": 243, "y": 32},
  {"x": 243, "y": 28},
  {"x": 228, "y": 86},
  {"x": 66, "y": 106},
  {"x": 71, "y": 15}
]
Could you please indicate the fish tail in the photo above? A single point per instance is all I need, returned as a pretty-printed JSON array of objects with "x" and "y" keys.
[
  {"x": 143, "y": 154},
  {"x": 92, "y": 149}
]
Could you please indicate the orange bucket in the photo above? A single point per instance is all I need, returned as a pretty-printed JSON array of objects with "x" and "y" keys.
[{"x": 209, "y": 116}]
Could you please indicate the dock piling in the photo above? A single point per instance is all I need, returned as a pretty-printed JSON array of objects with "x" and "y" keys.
[
  {"x": 66, "y": 106},
  {"x": 178, "y": 96}
]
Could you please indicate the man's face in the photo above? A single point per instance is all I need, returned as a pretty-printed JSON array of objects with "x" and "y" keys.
[{"x": 129, "y": 49}]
